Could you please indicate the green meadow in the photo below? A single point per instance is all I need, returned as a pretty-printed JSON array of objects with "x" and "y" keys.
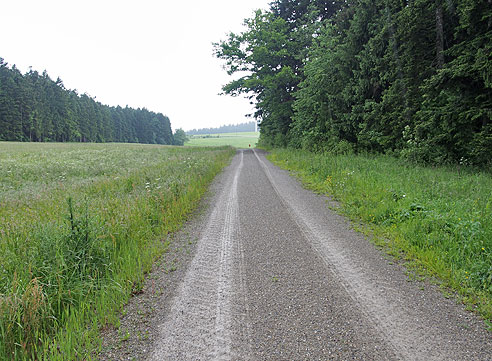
[
  {"x": 237, "y": 140},
  {"x": 80, "y": 225},
  {"x": 438, "y": 218}
]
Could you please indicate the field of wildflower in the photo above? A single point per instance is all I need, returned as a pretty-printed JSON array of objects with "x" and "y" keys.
[
  {"x": 80, "y": 225},
  {"x": 438, "y": 218}
]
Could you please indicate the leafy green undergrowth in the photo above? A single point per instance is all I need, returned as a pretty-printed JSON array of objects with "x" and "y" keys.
[
  {"x": 441, "y": 218},
  {"x": 80, "y": 225}
]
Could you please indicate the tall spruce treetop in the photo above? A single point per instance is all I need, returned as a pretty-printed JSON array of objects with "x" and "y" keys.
[
  {"x": 35, "y": 108},
  {"x": 294, "y": 12},
  {"x": 410, "y": 78}
]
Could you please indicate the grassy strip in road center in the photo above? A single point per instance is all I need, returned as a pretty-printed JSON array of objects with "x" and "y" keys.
[
  {"x": 80, "y": 225},
  {"x": 441, "y": 218}
]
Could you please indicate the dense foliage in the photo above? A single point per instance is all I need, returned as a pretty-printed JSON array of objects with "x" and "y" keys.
[
  {"x": 230, "y": 128},
  {"x": 410, "y": 78},
  {"x": 35, "y": 108},
  {"x": 180, "y": 137}
]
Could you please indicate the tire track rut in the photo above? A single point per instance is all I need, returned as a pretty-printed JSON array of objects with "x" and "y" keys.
[
  {"x": 405, "y": 323},
  {"x": 278, "y": 276},
  {"x": 202, "y": 316}
]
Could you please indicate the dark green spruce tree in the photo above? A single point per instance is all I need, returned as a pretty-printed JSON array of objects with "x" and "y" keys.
[
  {"x": 35, "y": 108},
  {"x": 409, "y": 78}
]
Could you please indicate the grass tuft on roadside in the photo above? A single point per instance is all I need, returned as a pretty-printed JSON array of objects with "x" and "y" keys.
[
  {"x": 80, "y": 225},
  {"x": 438, "y": 219}
]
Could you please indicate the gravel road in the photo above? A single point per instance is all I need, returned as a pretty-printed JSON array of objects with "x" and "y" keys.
[{"x": 276, "y": 275}]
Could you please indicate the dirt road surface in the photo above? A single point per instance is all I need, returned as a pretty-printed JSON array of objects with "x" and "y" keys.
[{"x": 274, "y": 274}]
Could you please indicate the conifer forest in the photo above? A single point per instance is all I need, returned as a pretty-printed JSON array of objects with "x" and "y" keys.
[
  {"x": 410, "y": 78},
  {"x": 35, "y": 108}
]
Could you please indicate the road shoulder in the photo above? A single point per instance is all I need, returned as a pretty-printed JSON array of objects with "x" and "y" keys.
[{"x": 138, "y": 331}]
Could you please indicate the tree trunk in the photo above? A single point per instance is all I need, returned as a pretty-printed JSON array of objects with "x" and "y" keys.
[
  {"x": 396, "y": 55},
  {"x": 439, "y": 36},
  {"x": 490, "y": 19}
]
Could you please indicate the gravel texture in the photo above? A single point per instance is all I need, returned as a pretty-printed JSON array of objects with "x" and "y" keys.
[
  {"x": 140, "y": 323},
  {"x": 266, "y": 271}
]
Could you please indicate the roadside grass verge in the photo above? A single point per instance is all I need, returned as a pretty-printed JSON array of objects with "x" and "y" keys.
[
  {"x": 237, "y": 140},
  {"x": 438, "y": 219},
  {"x": 80, "y": 225}
]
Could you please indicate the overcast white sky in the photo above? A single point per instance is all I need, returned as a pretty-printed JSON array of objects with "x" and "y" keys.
[{"x": 146, "y": 53}]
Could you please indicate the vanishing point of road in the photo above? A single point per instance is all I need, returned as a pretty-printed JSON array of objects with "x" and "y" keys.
[{"x": 277, "y": 275}]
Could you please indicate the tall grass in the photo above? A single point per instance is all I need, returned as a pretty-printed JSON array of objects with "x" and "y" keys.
[
  {"x": 80, "y": 225},
  {"x": 441, "y": 218}
]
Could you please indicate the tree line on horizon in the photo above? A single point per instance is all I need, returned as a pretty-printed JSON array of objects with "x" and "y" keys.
[
  {"x": 230, "y": 128},
  {"x": 35, "y": 108},
  {"x": 411, "y": 78}
]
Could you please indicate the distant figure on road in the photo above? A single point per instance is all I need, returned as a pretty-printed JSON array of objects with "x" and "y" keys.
[{"x": 250, "y": 145}]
